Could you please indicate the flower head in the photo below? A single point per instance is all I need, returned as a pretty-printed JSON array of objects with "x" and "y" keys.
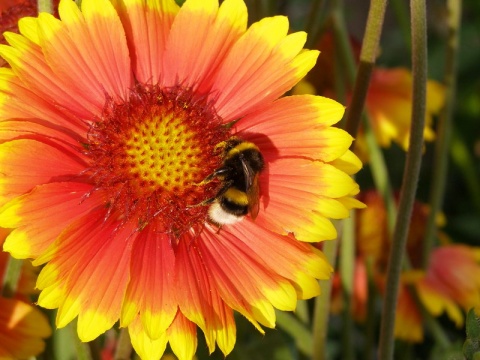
[
  {"x": 117, "y": 122},
  {"x": 23, "y": 328}
]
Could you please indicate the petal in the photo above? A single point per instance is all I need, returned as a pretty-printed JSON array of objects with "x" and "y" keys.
[
  {"x": 294, "y": 192},
  {"x": 242, "y": 278},
  {"x": 41, "y": 215},
  {"x": 299, "y": 262},
  {"x": 87, "y": 273},
  {"x": 199, "y": 300},
  {"x": 150, "y": 289},
  {"x": 210, "y": 39},
  {"x": 147, "y": 25},
  {"x": 274, "y": 132},
  {"x": 28, "y": 64},
  {"x": 262, "y": 65},
  {"x": 182, "y": 336},
  {"x": 145, "y": 347},
  {"x": 22, "y": 329},
  {"x": 26, "y": 163},
  {"x": 17, "y": 101},
  {"x": 87, "y": 50}
]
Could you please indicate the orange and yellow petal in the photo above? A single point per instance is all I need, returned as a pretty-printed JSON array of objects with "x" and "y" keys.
[
  {"x": 390, "y": 94},
  {"x": 300, "y": 263},
  {"x": 437, "y": 303},
  {"x": 199, "y": 300},
  {"x": 182, "y": 337},
  {"x": 149, "y": 291},
  {"x": 31, "y": 162},
  {"x": 408, "y": 320},
  {"x": 23, "y": 329},
  {"x": 274, "y": 132},
  {"x": 39, "y": 216},
  {"x": 87, "y": 274},
  {"x": 244, "y": 81},
  {"x": 147, "y": 26},
  {"x": 216, "y": 31},
  {"x": 299, "y": 198}
]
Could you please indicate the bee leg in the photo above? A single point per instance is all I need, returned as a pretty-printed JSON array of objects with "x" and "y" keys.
[
  {"x": 216, "y": 173},
  {"x": 222, "y": 191}
]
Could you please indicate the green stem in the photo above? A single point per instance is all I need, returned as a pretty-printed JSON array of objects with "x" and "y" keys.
[
  {"x": 442, "y": 147},
  {"x": 463, "y": 159},
  {"x": 82, "y": 349},
  {"x": 11, "y": 277},
  {"x": 124, "y": 346},
  {"x": 371, "y": 318},
  {"x": 45, "y": 6},
  {"x": 342, "y": 40},
  {"x": 347, "y": 261},
  {"x": 297, "y": 330},
  {"x": 368, "y": 56},
  {"x": 322, "y": 306},
  {"x": 410, "y": 178},
  {"x": 380, "y": 175},
  {"x": 315, "y": 21}
]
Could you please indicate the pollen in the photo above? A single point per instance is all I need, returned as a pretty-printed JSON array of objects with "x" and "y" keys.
[
  {"x": 163, "y": 154},
  {"x": 150, "y": 153}
]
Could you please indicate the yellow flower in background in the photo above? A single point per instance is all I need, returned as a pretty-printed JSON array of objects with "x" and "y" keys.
[
  {"x": 120, "y": 123},
  {"x": 389, "y": 104},
  {"x": 450, "y": 285},
  {"x": 23, "y": 327}
]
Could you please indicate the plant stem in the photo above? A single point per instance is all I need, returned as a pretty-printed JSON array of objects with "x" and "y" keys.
[
  {"x": 11, "y": 277},
  {"x": 314, "y": 23},
  {"x": 347, "y": 262},
  {"x": 322, "y": 306},
  {"x": 124, "y": 346},
  {"x": 368, "y": 55},
  {"x": 442, "y": 147},
  {"x": 82, "y": 349},
  {"x": 410, "y": 178}
]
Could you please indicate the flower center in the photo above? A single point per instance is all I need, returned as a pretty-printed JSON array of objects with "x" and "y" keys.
[{"x": 149, "y": 155}]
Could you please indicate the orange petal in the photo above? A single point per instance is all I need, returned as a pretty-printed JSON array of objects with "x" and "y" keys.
[
  {"x": 26, "y": 163},
  {"x": 210, "y": 39},
  {"x": 243, "y": 280},
  {"x": 22, "y": 330},
  {"x": 295, "y": 193},
  {"x": 199, "y": 300},
  {"x": 150, "y": 289},
  {"x": 87, "y": 273},
  {"x": 299, "y": 262},
  {"x": 247, "y": 81},
  {"x": 147, "y": 26},
  {"x": 87, "y": 50},
  {"x": 41, "y": 215}
]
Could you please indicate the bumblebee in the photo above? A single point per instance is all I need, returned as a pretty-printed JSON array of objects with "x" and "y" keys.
[{"x": 239, "y": 192}]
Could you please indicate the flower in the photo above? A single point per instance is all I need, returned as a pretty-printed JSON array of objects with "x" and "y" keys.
[
  {"x": 388, "y": 105},
  {"x": 113, "y": 118},
  {"x": 449, "y": 284},
  {"x": 22, "y": 326},
  {"x": 22, "y": 329}
]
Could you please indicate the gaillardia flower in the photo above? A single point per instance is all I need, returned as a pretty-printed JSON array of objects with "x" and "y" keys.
[
  {"x": 116, "y": 122},
  {"x": 23, "y": 327}
]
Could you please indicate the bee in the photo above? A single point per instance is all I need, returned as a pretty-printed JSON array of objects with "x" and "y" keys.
[{"x": 239, "y": 192}]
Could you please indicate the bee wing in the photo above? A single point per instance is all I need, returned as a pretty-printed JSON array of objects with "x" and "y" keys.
[
  {"x": 252, "y": 189},
  {"x": 253, "y": 196}
]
